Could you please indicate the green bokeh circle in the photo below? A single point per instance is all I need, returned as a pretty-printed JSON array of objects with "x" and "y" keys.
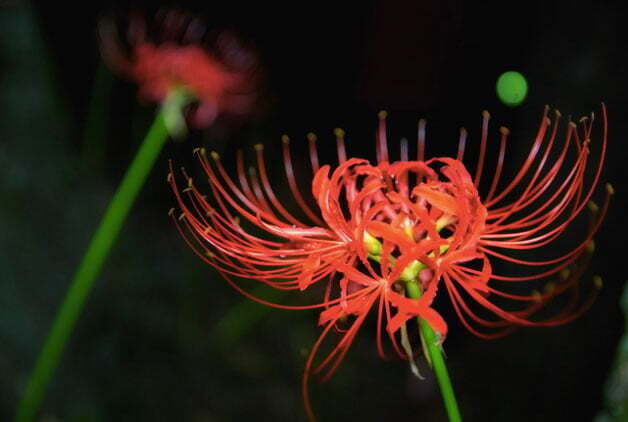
[{"x": 512, "y": 88}]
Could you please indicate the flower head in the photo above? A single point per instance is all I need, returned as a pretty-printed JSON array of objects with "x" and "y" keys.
[
  {"x": 221, "y": 78},
  {"x": 383, "y": 228}
]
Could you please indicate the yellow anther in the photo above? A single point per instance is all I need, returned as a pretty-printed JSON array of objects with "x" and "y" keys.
[
  {"x": 549, "y": 287},
  {"x": 339, "y": 133},
  {"x": 311, "y": 137},
  {"x": 564, "y": 273},
  {"x": 209, "y": 254},
  {"x": 593, "y": 207},
  {"x": 285, "y": 139},
  {"x": 196, "y": 150},
  {"x": 258, "y": 147},
  {"x": 190, "y": 182},
  {"x": 382, "y": 115},
  {"x": 597, "y": 281},
  {"x": 536, "y": 295},
  {"x": 610, "y": 189},
  {"x": 557, "y": 113},
  {"x": 504, "y": 130},
  {"x": 171, "y": 212},
  {"x": 590, "y": 248},
  {"x": 572, "y": 124},
  {"x": 182, "y": 216},
  {"x": 486, "y": 114},
  {"x": 215, "y": 155}
]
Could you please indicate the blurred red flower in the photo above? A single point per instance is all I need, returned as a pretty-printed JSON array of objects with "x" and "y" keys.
[{"x": 221, "y": 78}]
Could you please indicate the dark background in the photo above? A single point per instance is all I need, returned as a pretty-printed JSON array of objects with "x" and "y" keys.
[{"x": 153, "y": 343}]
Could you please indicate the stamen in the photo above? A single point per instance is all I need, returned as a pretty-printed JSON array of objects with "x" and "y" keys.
[
  {"x": 311, "y": 138},
  {"x": 340, "y": 145},
  {"x": 478, "y": 171},
  {"x": 461, "y": 144},
  {"x": 382, "y": 143},
  {"x": 421, "y": 140}
]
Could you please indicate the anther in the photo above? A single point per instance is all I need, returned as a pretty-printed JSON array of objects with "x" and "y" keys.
[
  {"x": 590, "y": 248},
  {"x": 182, "y": 216},
  {"x": 196, "y": 150},
  {"x": 504, "y": 130},
  {"x": 486, "y": 114},
  {"x": 215, "y": 155},
  {"x": 597, "y": 281},
  {"x": 311, "y": 137},
  {"x": 557, "y": 113},
  {"x": 171, "y": 212},
  {"x": 593, "y": 207},
  {"x": 339, "y": 133},
  {"x": 285, "y": 139},
  {"x": 190, "y": 182},
  {"x": 610, "y": 189},
  {"x": 258, "y": 147},
  {"x": 382, "y": 115},
  {"x": 169, "y": 178},
  {"x": 549, "y": 287},
  {"x": 564, "y": 274},
  {"x": 536, "y": 295}
]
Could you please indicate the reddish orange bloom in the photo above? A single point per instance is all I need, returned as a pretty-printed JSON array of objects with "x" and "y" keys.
[
  {"x": 379, "y": 227},
  {"x": 221, "y": 82}
]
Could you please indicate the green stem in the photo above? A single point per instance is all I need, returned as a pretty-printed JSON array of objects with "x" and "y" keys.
[
  {"x": 436, "y": 357},
  {"x": 96, "y": 253}
]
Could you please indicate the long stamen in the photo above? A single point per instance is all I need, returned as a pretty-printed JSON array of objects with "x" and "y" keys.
[
  {"x": 421, "y": 140},
  {"x": 382, "y": 143},
  {"x": 461, "y": 144},
  {"x": 480, "y": 166}
]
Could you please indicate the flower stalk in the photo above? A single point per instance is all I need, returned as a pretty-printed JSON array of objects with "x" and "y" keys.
[
  {"x": 429, "y": 339},
  {"x": 95, "y": 256},
  {"x": 436, "y": 359}
]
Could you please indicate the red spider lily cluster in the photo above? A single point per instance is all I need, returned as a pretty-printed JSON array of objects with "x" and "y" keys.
[
  {"x": 376, "y": 227},
  {"x": 221, "y": 79}
]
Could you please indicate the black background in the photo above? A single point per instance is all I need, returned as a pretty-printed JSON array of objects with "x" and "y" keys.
[{"x": 147, "y": 346}]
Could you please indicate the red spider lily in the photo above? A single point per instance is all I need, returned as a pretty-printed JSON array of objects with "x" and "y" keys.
[
  {"x": 178, "y": 58},
  {"x": 381, "y": 226}
]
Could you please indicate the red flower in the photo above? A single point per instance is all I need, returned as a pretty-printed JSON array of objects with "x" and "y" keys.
[
  {"x": 181, "y": 59},
  {"x": 412, "y": 221}
]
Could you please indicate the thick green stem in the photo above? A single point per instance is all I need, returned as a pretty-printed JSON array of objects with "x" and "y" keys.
[
  {"x": 436, "y": 357},
  {"x": 94, "y": 257}
]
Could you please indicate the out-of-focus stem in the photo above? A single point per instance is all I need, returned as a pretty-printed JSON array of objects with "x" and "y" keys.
[{"x": 97, "y": 251}]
